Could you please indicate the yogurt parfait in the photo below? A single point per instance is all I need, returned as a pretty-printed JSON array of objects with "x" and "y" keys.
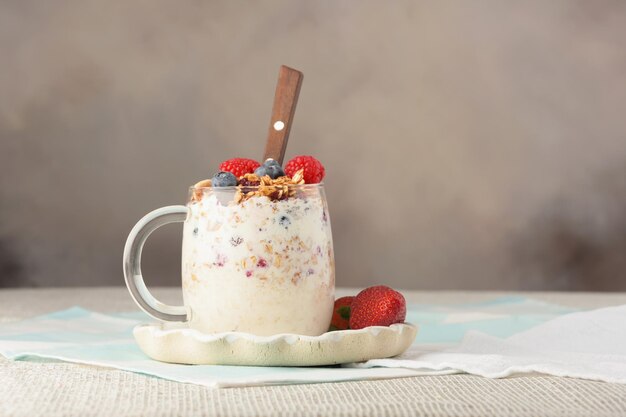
[{"x": 258, "y": 251}]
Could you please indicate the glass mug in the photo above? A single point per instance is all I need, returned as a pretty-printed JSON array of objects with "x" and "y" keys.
[{"x": 253, "y": 264}]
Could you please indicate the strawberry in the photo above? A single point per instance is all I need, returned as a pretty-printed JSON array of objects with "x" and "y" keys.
[
  {"x": 341, "y": 314},
  {"x": 239, "y": 166},
  {"x": 313, "y": 169},
  {"x": 377, "y": 306}
]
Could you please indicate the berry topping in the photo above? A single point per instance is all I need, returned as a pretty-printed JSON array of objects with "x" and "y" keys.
[
  {"x": 239, "y": 166},
  {"x": 341, "y": 314},
  {"x": 270, "y": 168},
  {"x": 313, "y": 169},
  {"x": 224, "y": 179},
  {"x": 377, "y": 306},
  {"x": 247, "y": 182}
]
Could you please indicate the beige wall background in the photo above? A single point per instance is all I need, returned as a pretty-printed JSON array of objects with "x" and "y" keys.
[{"x": 468, "y": 145}]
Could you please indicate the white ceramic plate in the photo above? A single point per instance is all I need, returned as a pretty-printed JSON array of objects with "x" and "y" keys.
[{"x": 179, "y": 344}]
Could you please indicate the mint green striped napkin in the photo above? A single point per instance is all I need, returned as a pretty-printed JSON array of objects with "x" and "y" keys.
[{"x": 87, "y": 337}]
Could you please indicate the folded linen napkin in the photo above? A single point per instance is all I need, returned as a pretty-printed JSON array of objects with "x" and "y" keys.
[
  {"x": 82, "y": 336},
  {"x": 586, "y": 345}
]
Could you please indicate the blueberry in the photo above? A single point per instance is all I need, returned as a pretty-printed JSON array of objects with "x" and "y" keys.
[
  {"x": 270, "y": 168},
  {"x": 271, "y": 162},
  {"x": 224, "y": 179}
]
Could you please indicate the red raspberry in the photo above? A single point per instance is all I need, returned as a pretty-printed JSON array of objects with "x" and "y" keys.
[
  {"x": 313, "y": 169},
  {"x": 377, "y": 306},
  {"x": 239, "y": 166},
  {"x": 341, "y": 314}
]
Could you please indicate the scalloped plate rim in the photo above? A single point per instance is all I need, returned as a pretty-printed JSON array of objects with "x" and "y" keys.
[
  {"x": 188, "y": 346},
  {"x": 157, "y": 330}
]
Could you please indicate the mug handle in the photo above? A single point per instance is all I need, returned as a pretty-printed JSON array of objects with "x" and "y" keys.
[{"x": 132, "y": 263}]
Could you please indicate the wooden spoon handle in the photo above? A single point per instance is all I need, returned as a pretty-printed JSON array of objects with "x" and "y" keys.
[{"x": 285, "y": 100}]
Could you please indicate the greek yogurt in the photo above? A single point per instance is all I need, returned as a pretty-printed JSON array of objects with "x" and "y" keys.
[{"x": 259, "y": 266}]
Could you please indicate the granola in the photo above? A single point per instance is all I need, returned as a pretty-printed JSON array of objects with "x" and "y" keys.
[
  {"x": 252, "y": 185},
  {"x": 197, "y": 189}
]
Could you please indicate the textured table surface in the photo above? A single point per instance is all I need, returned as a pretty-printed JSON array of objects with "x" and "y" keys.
[{"x": 60, "y": 389}]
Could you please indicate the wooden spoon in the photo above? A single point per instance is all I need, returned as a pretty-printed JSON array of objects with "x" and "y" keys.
[{"x": 285, "y": 100}]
